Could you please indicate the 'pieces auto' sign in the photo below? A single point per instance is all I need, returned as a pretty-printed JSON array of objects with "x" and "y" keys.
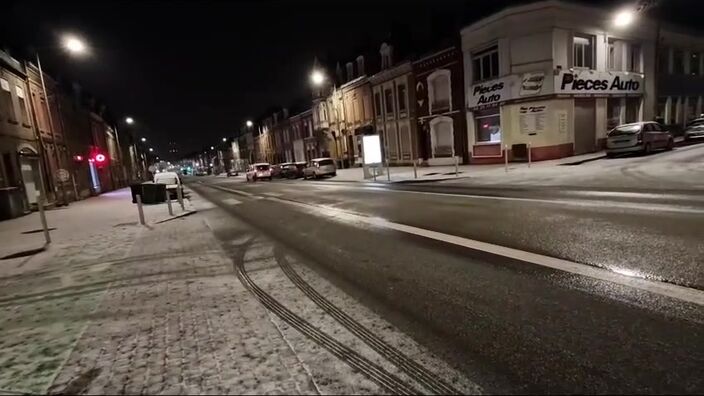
[{"x": 593, "y": 82}]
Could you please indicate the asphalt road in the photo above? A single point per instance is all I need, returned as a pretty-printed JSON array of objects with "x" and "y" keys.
[{"x": 508, "y": 324}]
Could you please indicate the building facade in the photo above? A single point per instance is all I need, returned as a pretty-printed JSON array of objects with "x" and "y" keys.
[
  {"x": 439, "y": 102},
  {"x": 554, "y": 77},
  {"x": 394, "y": 109}
]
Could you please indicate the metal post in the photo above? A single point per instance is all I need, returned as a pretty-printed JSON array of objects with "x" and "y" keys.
[
  {"x": 374, "y": 172},
  {"x": 415, "y": 170},
  {"x": 388, "y": 174},
  {"x": 51, "y": 123},
  {"x": 529, "y": 156},
  {"x": 140, "y": 209},
  {"x": 40, "y": 206},
  {"x": 506, "y": 157},
  {"x": 168, "y": 202},
  {"x": 457, "y": 172},
  {"x": 179, "y": 194}
]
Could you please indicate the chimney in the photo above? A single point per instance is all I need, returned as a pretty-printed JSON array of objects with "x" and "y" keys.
[
  {"x": 360, "y": 66},
  {"x": 350, "y": 71}
]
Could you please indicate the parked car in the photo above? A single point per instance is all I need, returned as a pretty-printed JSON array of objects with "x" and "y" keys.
[
  {"x": 694, "y": 132},
  {"x": 293, "y": 170},
  {"x": 258, "y": 171},
  {"x": 232, "y": 172},
  {"x": 320, "y": 167},
  {"x": 171, "y": 180},
  {"x": 276, "y": 170},
  {"x": 644, "y": 136}
]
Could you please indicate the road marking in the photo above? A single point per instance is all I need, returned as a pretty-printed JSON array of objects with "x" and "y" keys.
[
  {"x": 231, "y": 201},
  {"x": 273, "y": 194},
  {"x": 240, "y": 192},
  {"x": 665, "y": 289},
  {"x": 580, "y": 203}
]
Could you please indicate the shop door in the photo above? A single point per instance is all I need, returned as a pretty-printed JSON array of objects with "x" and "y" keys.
[
  {"x": 30, "y": 172},
  {"x": 584, "y": 126}
]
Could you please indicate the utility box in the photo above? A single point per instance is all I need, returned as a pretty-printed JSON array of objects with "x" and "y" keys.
[{"x": 11, "y": 203}]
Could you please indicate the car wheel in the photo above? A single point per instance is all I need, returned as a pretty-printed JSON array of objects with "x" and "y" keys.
[
  {"x": 610, "y": 155},
  {"x": 670, "y": 144}
]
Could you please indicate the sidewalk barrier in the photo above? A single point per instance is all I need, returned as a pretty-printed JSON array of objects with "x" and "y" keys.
[
  {"x": 529, "y": 157},
  {"x": 506, "y": 157},
  {"x": 179, "y": 195},
  {"x": 139, "y": 209},
  {"x": 457, "y": 172},
  {"x": 167, "y": 197},
  {"x": 415, "y": 170},
  {"x": 388, "y": 174}
]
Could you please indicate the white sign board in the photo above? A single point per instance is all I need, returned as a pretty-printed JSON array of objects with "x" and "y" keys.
[
  {"x": 598, "y": 82},
  {"x": 372, "y": 149},
  {"x": 505, "y": 88},
  {"x": 532, "y": 119},
  {"x": 62, "y": 175},
  {"x": 561, "y": 121}
]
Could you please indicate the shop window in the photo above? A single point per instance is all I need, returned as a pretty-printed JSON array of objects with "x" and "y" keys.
[
  {"x": 389, "y": 101},
  {"x": 485, "y": 64},
  {"x": 583, "y": 51},
  {"x": 401, "y": 98},
  {"x": 488, "y": 127},
  {"x": 7, "y": 109},
  {"x": 662, "y": 104},
  {"x": 439, "y": 90},
  {"x": 442, "y": 137},
  {"x": 694, "y": 64},
  {"x": 611, "y": 56},
  {"x": 632, "y": 108},
  {"x": 613, "y": 113},
  {"x": 678, "y": 62},
  {"x": 377, "y": 104},
  {"x": 24, "y": 109}
]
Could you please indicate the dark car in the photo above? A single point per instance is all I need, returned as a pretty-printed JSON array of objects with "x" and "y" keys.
[
  {"x": 293, "y": 170},
  {"x": 277, "y": 169}
]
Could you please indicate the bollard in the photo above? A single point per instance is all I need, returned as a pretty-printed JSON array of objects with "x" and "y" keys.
[
  {"x": 506, "y": 157},
  {"x": 168, "y": 202},
  {"x": 388, "y": 174},
  {"x": 374, "y": 172},
  {"x": 529, "y": 159},
  {"x": 457, "y": 164},
  {"x": 415, "y": 170},
  {"x": 179, "y": 195},
  {"x": 139, "y": 209},
  {"x": 42, "y": 217}
]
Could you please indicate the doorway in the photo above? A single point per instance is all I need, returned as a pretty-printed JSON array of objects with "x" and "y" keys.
[
  {"x": 584, "y": 126},
  {"x": 29, "y": 167}
]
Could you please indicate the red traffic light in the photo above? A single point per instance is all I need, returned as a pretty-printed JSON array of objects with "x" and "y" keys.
[{"x": 100, "y": 158}]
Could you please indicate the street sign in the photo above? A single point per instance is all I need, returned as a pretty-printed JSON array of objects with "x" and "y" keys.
[{"x": 62, "y": 175}]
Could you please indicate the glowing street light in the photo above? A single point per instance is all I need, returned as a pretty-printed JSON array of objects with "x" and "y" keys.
[
  {"x": 249, "y": 123},
  {"x": 74, "y": 45},
  {"x": 317, "y": 77},
  {"x": 624, "y": 18},
  {"x": 151, "y": 149},
  {"x": 224, "y": 139},
  {"x": 212, "y": 148},
  {"x": 129, "y": 120},
  {"x": 144, "y": 139}
]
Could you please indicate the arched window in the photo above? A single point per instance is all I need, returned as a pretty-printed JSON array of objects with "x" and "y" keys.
[
  {"x": 439, "y": 91},
  {"x": 442, "y": 137}
]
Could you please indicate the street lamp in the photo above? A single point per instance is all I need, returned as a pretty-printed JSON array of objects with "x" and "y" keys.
[
  {"x": 74, "y": 45},
  {"x": 249, "y": 123},
  {"x": 224, "y": 139},
  {"x": 151, "y": 149},
  {"x": 317, "y": 77},
  {"x": 624, "y": 18},
  {"x": 212, "y": 148},
  {"x": 144, "y": 139},
  {"x": 129, "y": 120}
]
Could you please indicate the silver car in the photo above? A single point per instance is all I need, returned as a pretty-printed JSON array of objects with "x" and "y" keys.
[
  {"x": 644, "y": 136},
  {"x": 694, "y": 132},
  {"x": 320, "y": 167}
]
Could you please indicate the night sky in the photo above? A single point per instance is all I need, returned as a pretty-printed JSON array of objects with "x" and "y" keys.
[{"x": 194, "y": 71}]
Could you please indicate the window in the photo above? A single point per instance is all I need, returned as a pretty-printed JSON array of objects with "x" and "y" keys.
[
  {"x": 377, "y": 104},
  {"x": 632, "y": 109},
  {"x": 583, "y": 51},
  {"x": 633, "y": 60},
  {"x": 488, "y": 127},
  {"x": 611, "y": 56},
  {"x": 485, "y": 64},
  {"x": 678, "y": 62},
  {"x": 442, "y": 137},
  {"x": 401, "y": 98},
  {"x": 694, "y": 64},
  {"x": 24, "y": 110},
  {"x": 613, "y": 117},
  {"x": 7, "y": 109},
  {"x": 389, "y": 101},
  {"x": 439, "y": 90}
]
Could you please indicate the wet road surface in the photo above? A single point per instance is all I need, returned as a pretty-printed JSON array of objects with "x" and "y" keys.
[{"x": 507, "y": 324}]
